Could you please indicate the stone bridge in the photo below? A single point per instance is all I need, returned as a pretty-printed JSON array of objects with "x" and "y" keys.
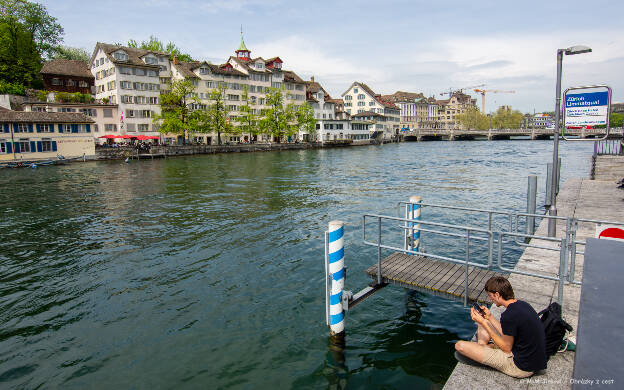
[{"x": 494, "y": 134}]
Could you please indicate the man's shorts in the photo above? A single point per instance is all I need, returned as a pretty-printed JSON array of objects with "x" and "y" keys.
[{"x": 504, "y": 363}]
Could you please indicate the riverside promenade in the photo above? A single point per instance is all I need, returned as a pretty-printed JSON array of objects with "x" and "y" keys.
[{"x": 598, "y": 199}]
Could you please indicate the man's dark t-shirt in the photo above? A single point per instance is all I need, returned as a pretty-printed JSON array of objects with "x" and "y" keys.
[{"x": 529, "y": 347}]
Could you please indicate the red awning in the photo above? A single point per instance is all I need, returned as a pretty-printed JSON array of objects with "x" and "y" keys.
[{"x": 109, "y": 136}]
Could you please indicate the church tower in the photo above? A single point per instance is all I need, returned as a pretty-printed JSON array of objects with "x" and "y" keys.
[{"x": 243, "y": 53}]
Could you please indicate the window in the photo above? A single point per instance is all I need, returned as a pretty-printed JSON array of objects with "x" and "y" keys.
[
  {"x": 83, "y": 84},
  {"x": 70, "y": 83},
  {"x": 130, "y": 126},
  {"x": 361, "y": 96},
  {"x": 95, "y": 128},
  {"x": 22, "y": 128},
  {"x": 210, "y": 84},
  {"x": 232, "y": 97},
  {"x": 46, "y": 145},
  {"x": 126, "y": 99},
  {"x": 120, "y": 56},
  {"x": 145, "y": 114},
  {"x": 24, "y": 145},
  {"x": 276, "y": 85},
  {"x": 110, "y": 127},
  {"x": 355, "y": 90},
  {"x": 299, "y": 87},
  {"x": 125, "y": 70},
  {"x": 110, "y": 85},
  {"x": 108, "y": 113},
  {"x": 361, "y": 104},
  {"x": 56, "y": 81},
  {"x": 67, "y": 128},
  {"x": 153, "y": 100},
  {"x": 82, "y": 128},
  {"x": 44, "y": 128},
  {"x": 66, "y": 109},
  {"x": 130, "y": 113},
  {"x": 143, "y": 127},
  {"x": 151, "y": 60},
  {"x": 348, "y": 97},
  {"x": 152, "y": 73},
  {"x": 232, "y": 107},
  {"x": 203, "y": 70},
  {"x": 371, "y": 103}
]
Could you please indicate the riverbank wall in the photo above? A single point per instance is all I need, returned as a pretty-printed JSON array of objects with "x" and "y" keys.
[
  {"x": 106, "y": 153},
  {"x": 598, "y": 199}
]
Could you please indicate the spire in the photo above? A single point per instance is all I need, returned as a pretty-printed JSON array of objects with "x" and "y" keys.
[
  {"x": 242, "y": 44},
  {"x": 242, "y": 52}
]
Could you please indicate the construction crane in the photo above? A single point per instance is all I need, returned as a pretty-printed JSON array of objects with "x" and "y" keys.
[
  {"x": 483, "y": 91},
  {"x": 450, "y": 92}
]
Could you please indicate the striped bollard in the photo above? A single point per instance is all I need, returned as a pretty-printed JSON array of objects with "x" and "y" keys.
[
  {"x": 337, "y": 272},
  {"x": 414, "y": 215}
]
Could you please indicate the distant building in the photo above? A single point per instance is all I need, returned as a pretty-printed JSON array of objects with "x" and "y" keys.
[
  {"x": 359, "y": 99},
  {"x": 416, "y": 110},
  {"x": 457, "y": 104},
  {"x": 67, "y": 76},
  {"x": 31, "y": 135},
  {"x": 541, "y": 121},
  {"x": 104, "y": 116}
]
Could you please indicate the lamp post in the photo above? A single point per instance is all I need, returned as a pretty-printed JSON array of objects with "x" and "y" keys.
[{"x": 579, "y": 49}]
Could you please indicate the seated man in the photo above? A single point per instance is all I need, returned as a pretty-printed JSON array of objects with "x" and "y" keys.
[{"x": 518, "y": 348}]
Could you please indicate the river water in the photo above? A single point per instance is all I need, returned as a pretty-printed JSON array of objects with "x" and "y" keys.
[{"x": 207, "y": 271}]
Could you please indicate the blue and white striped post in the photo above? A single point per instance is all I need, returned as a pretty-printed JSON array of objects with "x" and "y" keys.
[
  {"x": 413, "y": 213},
  {"x": 337, "y": 272}
]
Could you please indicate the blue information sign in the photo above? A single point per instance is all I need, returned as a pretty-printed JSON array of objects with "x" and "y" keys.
[{"x": 586, "y": 109}]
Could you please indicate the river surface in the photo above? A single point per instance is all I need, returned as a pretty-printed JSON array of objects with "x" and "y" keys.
[{"x": 207, "y": 271}]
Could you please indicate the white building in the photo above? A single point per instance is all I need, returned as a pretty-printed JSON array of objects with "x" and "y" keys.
[
  {"x": 359, "y": 99},
  {"x": 131, "y": 78}
]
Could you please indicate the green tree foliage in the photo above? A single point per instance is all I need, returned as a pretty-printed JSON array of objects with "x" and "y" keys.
[
  {"x": 175, "y": 116},
  {"x": 154, "y": 44},
  {"x": 11, "y": 89},
  {"x": 27, "y": 34},
  {"x": 217, "y": 115},
  {"x": 507, "y": 119},
  {"x": 616, "y": 119},
  {"x": 278, "y": 120},
  {"x": 247, "y": 121},
  {"x": 70, "y": 53},
  {"x": 305, "y": 119},
  {"x": 473, "y": 119}
]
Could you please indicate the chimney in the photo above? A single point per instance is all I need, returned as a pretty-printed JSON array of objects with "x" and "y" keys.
[
  {"x": 312, "y": 78},
  {"x": 175, "y": 60}
]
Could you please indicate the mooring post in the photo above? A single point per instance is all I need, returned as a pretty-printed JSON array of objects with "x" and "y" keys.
[
  {"x": 547, "y": 200},
  {"x": 414, "y": 215},
  {"x": 337, "y": 272},
  {"x": 531, "y": 204}
]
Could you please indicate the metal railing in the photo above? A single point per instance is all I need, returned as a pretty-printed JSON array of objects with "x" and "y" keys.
[{"x": 609, "y": 147}]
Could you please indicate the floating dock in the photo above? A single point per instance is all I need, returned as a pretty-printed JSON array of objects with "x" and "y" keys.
[{"x": 433, "y": 276}]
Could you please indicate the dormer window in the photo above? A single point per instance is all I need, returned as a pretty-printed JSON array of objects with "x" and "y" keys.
[
  {"x": 277, "y": 65},
  {"x": 259, "y": 65},
  {"x": 203, "y": 70},
  {"x": 120, "y": 56},
  {"x": 151, "y": 60}
]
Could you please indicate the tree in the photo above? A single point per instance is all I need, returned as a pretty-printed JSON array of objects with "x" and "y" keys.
[
  {"x": 175, "y": 116},
  {"x": 27, "y": 34},
  {"x": 218, "y": 113},
  {"x": 154, "y": 44},
  {"x": 473, "y": 118},
  {"x": 70, "y": 53},
  {"x": 507, "y": 119},
  {"x": 616, "y": 119},
  {"x": 305, "y": 119},
  {"x": 277, "y": 119},
  {"x": 247, "y": 121}
]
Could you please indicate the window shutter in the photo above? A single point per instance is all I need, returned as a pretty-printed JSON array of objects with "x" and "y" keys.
[
  {"x": 33, "y": 146},
  {"x": 54, "y": 146},
  {"x": 60, "y": 127},
  {"x": 30, "y": 127},
  {"x": 88, "y": 128},
  {"x": 15, "y": 128},
  {"x": 17, "y": 148},
  {"x": 9, "y": 147},
  {"x": 38, "y": 128},
  {"x": 39, "y": 146},
  {"x": 6, "y": 128},
  {"x": 74, "y": 128}
]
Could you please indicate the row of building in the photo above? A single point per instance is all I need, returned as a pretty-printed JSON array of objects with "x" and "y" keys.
[{"x": 126, "y": 84}]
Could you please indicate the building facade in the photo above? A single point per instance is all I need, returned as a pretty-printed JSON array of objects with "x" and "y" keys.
[
  {"x": 32, "y": 135},
  {"x": 359, "y": 98},
  {"x": 104, "y": 116},
  {"x": 130, "y": 78},
  {"x": 457, "y": 104},
  {"x": 67, "y": 76}
]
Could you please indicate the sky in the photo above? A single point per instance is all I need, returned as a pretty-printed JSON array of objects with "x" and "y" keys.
[{"x": 414, "y": 46}]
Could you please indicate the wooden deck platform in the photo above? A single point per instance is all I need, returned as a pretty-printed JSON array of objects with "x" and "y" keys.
[{"x": 433, "y": 276}]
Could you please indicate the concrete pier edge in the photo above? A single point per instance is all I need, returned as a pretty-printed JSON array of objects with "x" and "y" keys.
[{"x": 581, "y": 198}]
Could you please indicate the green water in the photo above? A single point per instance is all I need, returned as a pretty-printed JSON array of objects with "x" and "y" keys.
[{"x": 207, "y": 271}]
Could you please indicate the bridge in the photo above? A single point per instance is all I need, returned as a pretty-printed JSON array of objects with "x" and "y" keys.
[{"x": 496, "y": 134}]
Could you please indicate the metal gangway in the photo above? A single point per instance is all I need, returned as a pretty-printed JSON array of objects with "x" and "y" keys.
[{"x": 485, "y": 254}]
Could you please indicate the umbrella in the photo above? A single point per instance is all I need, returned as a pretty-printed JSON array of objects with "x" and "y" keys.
[
  {"x": 142, "y": 137},
  {"x": 126, "y": 136},
  {"x": 109, "y": 136}
]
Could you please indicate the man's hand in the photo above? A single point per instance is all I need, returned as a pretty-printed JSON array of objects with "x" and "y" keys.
[
  {"x": 488, "y": 314},
  {"x": 476, "y": 317}
]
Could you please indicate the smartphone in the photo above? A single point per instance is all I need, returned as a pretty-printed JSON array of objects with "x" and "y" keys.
[{"x": 478, "y": 309}]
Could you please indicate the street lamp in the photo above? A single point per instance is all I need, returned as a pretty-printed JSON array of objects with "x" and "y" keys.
[{"x": 578, "y": 49}]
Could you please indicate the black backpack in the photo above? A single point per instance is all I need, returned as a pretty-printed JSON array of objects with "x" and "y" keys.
[{"x": 554, "y": 327}]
